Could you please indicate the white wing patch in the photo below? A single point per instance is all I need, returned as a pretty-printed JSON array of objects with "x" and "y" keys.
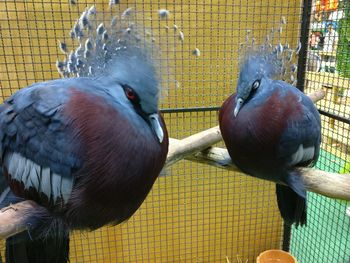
[
  {"x": 53, "y": 185},
  {"x": 302, "y": 155}
]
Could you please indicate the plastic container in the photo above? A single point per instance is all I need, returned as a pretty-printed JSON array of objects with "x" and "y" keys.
[{"x": 275, "y": 256}]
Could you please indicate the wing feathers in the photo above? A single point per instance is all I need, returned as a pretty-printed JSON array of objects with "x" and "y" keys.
[
  {"x": 302, "y": 155},
  {"x": 42, "y": 179},
  {"x": 46, "y": 181},
  {"x": 32, "y": 123},
  {"x": 56, "y": 184},
  {"x": 66, "y": 188},
  {"x": 34, "y": 175}
]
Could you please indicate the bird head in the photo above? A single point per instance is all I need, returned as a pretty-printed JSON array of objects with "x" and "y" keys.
[
  {"x": 119, "y": 54},
  {"x": 135, "y": 72},
  {"x": 253, "y": 70}
]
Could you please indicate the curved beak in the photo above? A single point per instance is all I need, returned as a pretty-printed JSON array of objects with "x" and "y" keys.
[
  {"x": 157, "y": 128},
  {"x": 239, "y": 104}
]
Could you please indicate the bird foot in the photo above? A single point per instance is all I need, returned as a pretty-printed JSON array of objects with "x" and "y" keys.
[{"x": 8, "y": 207}]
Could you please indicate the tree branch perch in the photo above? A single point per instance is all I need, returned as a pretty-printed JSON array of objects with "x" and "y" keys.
[
  {"x": 332, "y": 185},
  {"x": 13, "y": 218}
]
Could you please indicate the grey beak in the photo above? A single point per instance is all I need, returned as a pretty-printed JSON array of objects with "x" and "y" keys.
[
  {"x": 239, "y": 104},
  {"x": 157, "y": 128}
]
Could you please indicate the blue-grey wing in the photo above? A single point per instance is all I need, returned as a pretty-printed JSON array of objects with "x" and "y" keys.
[
  {"x": 37, "y": 150},
  {"x": 300, "y": 142}
]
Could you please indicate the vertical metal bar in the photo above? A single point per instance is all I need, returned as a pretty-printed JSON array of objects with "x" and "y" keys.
[{"x": 304, "y": 39}]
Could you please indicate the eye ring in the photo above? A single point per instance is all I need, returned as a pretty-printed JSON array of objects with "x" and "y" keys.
[
  {"x": 256, "y": 84},
  {"x": 130, "y": 94}
]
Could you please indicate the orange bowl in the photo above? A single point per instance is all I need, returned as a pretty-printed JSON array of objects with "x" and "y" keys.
[{"x": 275, "y": 256}]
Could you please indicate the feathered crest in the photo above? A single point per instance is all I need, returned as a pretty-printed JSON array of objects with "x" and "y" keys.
[
  {"x": 103, "y": 41},
  {"x": 278, "y": 61},
  {"x": 101, "y": 44}
]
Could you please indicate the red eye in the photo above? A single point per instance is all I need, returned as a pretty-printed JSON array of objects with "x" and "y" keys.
[{"x": 130, "y": 94}]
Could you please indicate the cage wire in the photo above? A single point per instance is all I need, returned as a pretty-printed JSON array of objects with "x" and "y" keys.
[
  {"x": 327, "y": 237},
  {"x": 197, "y": 213}
]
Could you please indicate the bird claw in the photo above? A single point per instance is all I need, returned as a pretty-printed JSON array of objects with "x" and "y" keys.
[{"x": 8, "y": 208}]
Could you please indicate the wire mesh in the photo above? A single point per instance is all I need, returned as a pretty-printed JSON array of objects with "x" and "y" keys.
[
  {"x": 195, "y": 213},
  {"x": 327, "y": 236}
]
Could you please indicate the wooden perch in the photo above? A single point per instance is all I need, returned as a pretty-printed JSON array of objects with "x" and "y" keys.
[
  {"x": 13, "y": 218},
  {"x": 179, "y": 149},
  {"x": 198, "y": 148},
  {"x": 329, "y": 184}
]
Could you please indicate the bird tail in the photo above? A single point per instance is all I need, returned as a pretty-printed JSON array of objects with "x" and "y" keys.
[
  {"x": 291, "y": 205},
  {"x": 47, "y": 240},
  {"x": 21, "y": 248},
  {"x": 291, "y": 199}
]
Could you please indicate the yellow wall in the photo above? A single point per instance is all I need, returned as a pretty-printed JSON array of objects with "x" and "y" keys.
[
  {"x": 191, "y": 218},
  {"x": 198, "y": 214}
]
